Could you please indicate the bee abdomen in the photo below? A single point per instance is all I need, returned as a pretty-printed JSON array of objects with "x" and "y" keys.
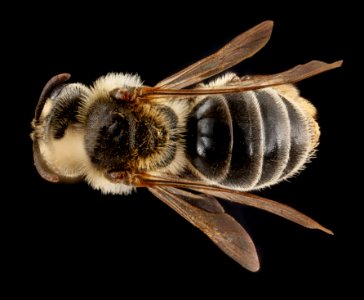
[
  {"x": 249, "y": 140},
  {"x": 261, "y": 129},
  {"x": 271, "y": 139},
  {"x": 246, "y": 161},
  {"x": 277, "y": 140},
  {"x": 300, "y": 138},
  {"x": 209, "y": 138}
]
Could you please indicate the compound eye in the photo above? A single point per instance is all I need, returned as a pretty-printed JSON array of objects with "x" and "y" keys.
[
  {"x": 67, "y": 99},
  {"x": 57, "y": 91}
]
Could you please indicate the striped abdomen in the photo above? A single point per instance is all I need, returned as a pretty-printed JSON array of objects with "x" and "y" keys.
[{"x": 252, "y": 139}]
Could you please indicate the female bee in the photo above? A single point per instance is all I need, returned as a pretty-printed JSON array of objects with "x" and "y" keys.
[{"x": 187, "y": 142}]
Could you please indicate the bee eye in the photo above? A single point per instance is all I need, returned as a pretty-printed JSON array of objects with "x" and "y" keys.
[
  {"x": 57, "y": 91},
  {"x": 67, "y": 100}
]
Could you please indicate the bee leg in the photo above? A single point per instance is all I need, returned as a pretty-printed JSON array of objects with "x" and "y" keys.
[
  {"x": 124, "y": 94},
  {"x": 123, "y": 177}
]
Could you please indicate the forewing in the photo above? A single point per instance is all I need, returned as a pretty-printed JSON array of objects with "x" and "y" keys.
[
  {"x": 293, "y": 75},
  {"x": 271, "y": 206},
  {"x": 204, "y": 212},
  {"x": 242, "y": 47}
]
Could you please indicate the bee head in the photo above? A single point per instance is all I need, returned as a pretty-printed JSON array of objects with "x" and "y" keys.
[{"x": 57, "y": 111}]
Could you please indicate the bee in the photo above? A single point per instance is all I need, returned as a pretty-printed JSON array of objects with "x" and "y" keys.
[{"x": 189, "y": 143}]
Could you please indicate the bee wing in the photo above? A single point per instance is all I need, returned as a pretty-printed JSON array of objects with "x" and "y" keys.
[
  {"x": 240, "y": 197},
  {"x": 271, "y": 206},
  {"x": 207, "y": 214},
  {"x": 293, "y": 75},
  {"x": 242, "y": 47}
]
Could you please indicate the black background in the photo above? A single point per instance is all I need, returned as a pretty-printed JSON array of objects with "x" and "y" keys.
[{"x": 60, "y": 237}]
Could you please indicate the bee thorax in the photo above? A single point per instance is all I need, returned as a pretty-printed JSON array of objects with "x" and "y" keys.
[{"x": 122, "y": 136}]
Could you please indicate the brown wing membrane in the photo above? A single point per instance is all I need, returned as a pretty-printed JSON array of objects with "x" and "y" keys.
[
  {"x": 220, "y": 227},
  {"x": 271, "y": 206},
  {"x": 242, "y": 47},
  {"x": 293, "y": 75}
]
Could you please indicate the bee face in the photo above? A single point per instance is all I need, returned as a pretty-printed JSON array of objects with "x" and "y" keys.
[{"x": 57, "y": 134}]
